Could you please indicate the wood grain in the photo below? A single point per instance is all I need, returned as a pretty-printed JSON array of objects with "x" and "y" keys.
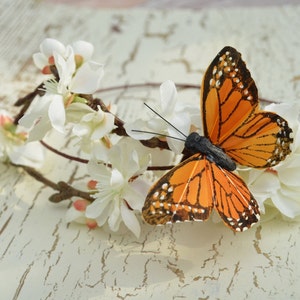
[
  {"x": 41, "y": 257},
  {"x": 167, "y": 4}
]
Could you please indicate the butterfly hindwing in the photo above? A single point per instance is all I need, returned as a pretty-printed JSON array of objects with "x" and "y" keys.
[
  {"x": 232, "y": 118},
  {"x": 182, "y": 194},
  {"x": 261, "y": 142},
  {"x": 233, "y": 200}
]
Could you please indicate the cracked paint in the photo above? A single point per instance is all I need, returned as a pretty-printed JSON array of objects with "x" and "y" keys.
[{"x": 41, "y": 257}]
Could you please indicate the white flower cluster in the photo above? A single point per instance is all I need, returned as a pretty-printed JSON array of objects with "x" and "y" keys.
[
  {"x": 70, "y": 73},
  {"x": 13, "y": 146},
  {"x": 117, "y": 163},
  {"x": 115, "y": 167}
]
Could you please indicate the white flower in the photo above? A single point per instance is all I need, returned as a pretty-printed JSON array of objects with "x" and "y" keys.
[
  {"x": 76, "y": 213},
  {"x": 76, "y": 75},
  {"x": 13, "y": 147},
  {"x": 43, "y": 59},
  {"x": 120, "y": 191},
  {"x": 87, "y": 78},
  {"x": 279, "y": 185},
  {"x": 90, "y": 125},
  {"x": 45, "y": 113},
  {"x": 83, "y": 49},
  {"x": 181, "y": 116},
  {"x": 84, "y": 79}
]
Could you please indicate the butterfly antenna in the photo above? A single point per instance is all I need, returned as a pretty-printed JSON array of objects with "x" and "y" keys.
[
  {"x": 166, "y": 122},
  {"x": 160, "y": 134}
]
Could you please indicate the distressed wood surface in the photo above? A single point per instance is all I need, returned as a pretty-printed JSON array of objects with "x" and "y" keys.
[
  {"x": 43, "y": 258},
  {"x": 167, "y": 4}
]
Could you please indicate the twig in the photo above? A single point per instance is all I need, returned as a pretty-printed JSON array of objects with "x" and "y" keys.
[
  {"x": 147, "y": 84},
  {"x": 71, "y": 157},
  {"x": 26, "y": 101},
  {"x": 65, "y": 191},
  {"x": 120, "y": 130},
  {"x": 85, "y": 161}
]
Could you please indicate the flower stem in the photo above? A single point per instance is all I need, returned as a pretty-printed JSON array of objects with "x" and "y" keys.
[
  {"x": 71, "y": 157},
  {"x": 146, "y": 84},
  {"x": 85, "y": 161},
  {"x": 65, "y": 191},
  {"x": 26, "y": 101}
]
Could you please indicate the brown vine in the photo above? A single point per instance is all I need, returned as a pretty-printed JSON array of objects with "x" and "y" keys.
[{"x": 66, "y": 191}]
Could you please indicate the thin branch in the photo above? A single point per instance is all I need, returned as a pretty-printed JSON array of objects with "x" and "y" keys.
[
  {"x": 65, "y": 191},
  {"x": 267, "y": 100},
  {"x": 120, "y": 130},
  {"x": 26, "y": 101},
  {"x": 85, "y": 161},
  {"x": 94, "y": 103},
  {"x": 71, "y": 157},
  {"x": 147, "y": 84},
  {"x": 38, "y": 176},
  {"x": 159, "y": 168}
]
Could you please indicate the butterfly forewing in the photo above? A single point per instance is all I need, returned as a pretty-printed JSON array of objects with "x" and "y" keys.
[
  {"x": 182, "y": 194},
  {"x": 231, "y": 115},
  {"x": 228, "y": 94}
]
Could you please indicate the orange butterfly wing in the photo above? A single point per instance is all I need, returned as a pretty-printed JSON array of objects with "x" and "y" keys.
[
  {"x": 183, "y": 194},
  {"x": 233, "y": 200},
  {"x": 232, "y": 118},
  {"x": 190, "y": 190}
]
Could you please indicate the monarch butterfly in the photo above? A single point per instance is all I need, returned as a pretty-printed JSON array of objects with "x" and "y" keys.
[{"x": 235, "y": 131}]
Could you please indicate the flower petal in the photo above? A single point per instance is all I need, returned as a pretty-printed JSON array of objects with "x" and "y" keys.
[
  {"x": 117, "y": 179},
  {"x": 99, "y": 151},
  {"x": 65, "y": 68},
  {"x": 287, "y": 206},
  {"x": 128, "y": 162},
  {"x": 135, "y": 193},
  {"x": 114, "y": 219},
  {"x": 40, "y": 60},
  {"x": 96, "y": 208},
  {"x": 76, "y": 111},
  {"x": 98, "y": 171},
  {"x": 265, "y": 183},
  {"x": 87, "y": 78},
  {"x": 57, "y": 114},
  {"x": 48, "y": 46},
  {"x": 37, "y": 111},
  {"x": 30, "y": 154},
  {"x": 130, "y": 220},
  {"x": 288, "y": 111},
  {"x": 168, "y": 96},
  {"x": 290, "y": 176},
  {"x": 80, "y": 130},
  {"x": 104, "y": 127},
  {"x": 182, "y": 123},
  {"x": 73, "y": 215},
  {"x": 85, "y": 49},
  {"x": 139, "y": 124}
]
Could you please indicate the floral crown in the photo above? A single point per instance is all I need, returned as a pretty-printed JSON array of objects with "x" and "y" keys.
[{"x": 217, "y": 169}]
